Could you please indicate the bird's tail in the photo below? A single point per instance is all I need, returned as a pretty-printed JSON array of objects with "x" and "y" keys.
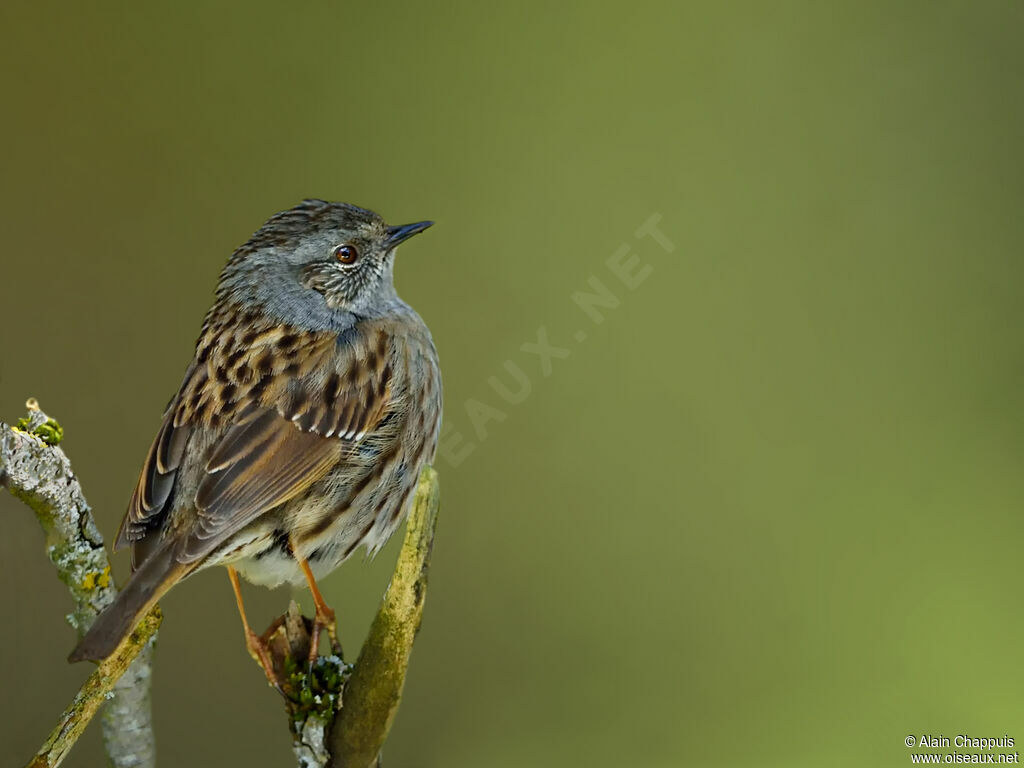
[{"x": 158, "y": 573}]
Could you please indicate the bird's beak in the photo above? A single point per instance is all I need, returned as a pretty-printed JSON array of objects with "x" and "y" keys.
[{"x": 400, "y": 234}]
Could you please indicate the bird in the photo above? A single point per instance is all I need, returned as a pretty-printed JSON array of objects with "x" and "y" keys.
[{"x": 311, "y": 404}]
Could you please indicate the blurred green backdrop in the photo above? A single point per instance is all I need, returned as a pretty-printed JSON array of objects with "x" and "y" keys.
[{"x": 766, "y": 513}]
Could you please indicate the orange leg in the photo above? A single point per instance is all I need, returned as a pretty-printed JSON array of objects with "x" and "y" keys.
[
  {"x": 324, "y": 618},
  {"x": 253, "y": 642}
]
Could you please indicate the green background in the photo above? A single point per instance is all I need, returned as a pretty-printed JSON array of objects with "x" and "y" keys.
[{"x": 767, "y": 513}]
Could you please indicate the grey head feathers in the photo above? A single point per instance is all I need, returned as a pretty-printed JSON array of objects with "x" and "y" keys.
[{"x": 292, "y": 267}]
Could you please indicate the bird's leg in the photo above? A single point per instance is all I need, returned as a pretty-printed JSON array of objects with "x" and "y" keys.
[
  {"x": 253, "y": 642},
  {"x": 324, "y": 618}
]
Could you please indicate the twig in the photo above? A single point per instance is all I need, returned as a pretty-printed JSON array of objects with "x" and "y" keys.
[
  {"x": 94, "y": 693},
  {"x": 312, "y": 695},
  {"x": 36, "y": 471}
]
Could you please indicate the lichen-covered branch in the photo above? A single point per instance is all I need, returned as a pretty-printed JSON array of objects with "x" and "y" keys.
[
  {"x": 128, "y": 717},
  {"x": 92, "y": 695},
  {"x": 36, "y": 471},
  {"x": 312, "y": 693},
  {"x": 372, "y": 694}
]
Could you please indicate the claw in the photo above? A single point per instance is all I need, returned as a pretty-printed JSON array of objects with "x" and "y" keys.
[{"x": 261, "y": 653}]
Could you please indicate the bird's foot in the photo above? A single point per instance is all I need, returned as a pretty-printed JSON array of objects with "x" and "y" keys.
[{"x": 260, "y": 651}]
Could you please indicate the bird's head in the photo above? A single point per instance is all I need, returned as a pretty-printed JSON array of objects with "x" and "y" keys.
[{"x": 316, "y": 260}]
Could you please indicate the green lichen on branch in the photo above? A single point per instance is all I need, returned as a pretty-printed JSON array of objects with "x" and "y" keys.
[
  {"x": 313, "y": 698},
  {"x": 50, "y": 432},
  {"x": 315, "y": 691}
]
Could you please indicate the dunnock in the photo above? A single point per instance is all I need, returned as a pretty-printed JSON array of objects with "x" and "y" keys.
[{"x": 301, "y": 426}]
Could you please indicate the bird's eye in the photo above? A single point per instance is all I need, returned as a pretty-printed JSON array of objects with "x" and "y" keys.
[{"x": 346, "y": 254}]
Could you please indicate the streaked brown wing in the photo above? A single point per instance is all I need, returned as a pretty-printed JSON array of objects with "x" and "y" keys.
[{"x": 262, "y": 461}]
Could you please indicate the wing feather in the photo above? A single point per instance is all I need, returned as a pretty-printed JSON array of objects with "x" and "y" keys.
[
  {"x": 261, "y": 464},
  {"x": 149, "y": 501}
]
